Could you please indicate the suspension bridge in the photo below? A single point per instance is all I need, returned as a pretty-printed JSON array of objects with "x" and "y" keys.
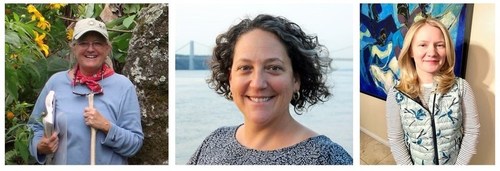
[{"x": 195, "y": 56}]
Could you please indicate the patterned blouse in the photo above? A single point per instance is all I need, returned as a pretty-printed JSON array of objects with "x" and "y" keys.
[{"x": 222, "y": 148}]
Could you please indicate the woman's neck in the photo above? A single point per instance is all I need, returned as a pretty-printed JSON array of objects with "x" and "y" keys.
[
  {"x": 282, "y": 133},
  {"x": 89, "y": 71},
  {"x": 425, "y": 77}
]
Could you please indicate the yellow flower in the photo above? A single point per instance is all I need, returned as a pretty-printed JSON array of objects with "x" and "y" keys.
[
  {"x": 38, "y": 38},
  {"x": 69, "y": 34},
  {"x": 10, "y": 115},
  {"x": 43, "y": 24},
  {"x": 39, "y": 42},
  {"x": 56, "y": 6},
  {"x": 36, "y": 14},
  {"x": 13, "y": 56}
]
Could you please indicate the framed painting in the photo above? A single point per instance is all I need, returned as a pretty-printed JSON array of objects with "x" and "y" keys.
[{"x": 382, "y": 31}]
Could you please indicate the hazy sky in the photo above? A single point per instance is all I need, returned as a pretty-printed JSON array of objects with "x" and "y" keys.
[{"x": 202, "y": 22}]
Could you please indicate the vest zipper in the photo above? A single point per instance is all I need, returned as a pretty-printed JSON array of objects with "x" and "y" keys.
[
  {"x": 433, "y": 125},
  {"x": 434, "y": 139}
]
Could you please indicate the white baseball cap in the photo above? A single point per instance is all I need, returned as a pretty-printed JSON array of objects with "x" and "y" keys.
[{"x": 89, "y": 24}]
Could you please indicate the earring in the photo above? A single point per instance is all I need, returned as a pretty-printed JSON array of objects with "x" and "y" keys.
[{"x": 296, "y": 96}]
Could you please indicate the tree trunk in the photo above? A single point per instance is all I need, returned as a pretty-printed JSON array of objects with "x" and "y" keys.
[{"x": 147, "y": 67}]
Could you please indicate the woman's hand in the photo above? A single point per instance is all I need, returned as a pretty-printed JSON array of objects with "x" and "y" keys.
[
  {"x": 48, "y": 145},
  {"x": 95, "y": 120}
]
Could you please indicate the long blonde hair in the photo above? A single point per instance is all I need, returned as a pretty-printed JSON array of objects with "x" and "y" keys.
[{"x": 445, "y": 77}]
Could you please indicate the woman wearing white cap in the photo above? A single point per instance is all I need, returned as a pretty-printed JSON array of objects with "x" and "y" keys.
[{"x": 115, "y": 113}]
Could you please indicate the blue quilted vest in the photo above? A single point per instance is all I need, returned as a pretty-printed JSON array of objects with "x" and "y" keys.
[{"x": 433, "y": 136}]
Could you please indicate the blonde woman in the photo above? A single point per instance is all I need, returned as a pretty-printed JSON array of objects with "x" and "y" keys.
[{"x": 431, "y": 114}]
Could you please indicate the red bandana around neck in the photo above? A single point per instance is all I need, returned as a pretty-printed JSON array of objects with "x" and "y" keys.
[{"x": 92, "y": 81}]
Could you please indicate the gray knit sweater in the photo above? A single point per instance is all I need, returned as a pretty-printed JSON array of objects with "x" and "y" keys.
[{"x": 222, "y": 148}]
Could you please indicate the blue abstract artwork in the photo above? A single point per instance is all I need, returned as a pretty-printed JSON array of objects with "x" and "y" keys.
[{"x": 382, "y": 31}]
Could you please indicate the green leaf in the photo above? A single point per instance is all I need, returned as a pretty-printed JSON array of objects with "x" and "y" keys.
[
  {"x": 27, "y": 28},
  {"x": 128, "y": 21},
  {"x": 89, "y": 11},
  {"x": 7, "y": 52},
  {"x": 119, "y": 57},
  {"x": 12, "y": 38},
  {"x": 8, "y": 100},
  {"x": 11, "y": 82},
  {"x": 10, "y": 156},
  {"x": 13, "y": 129},
  {"x": 56, "y": 64},
  {"x": 16, "y": 17},
  {"x": 97, "y": 10},
  {"x": 113, "y": 34},
  {"x": 121, "y": 41},
  {"x": 40, "y": 76},
  {"x": 21, "y": 145},
  {"x": 131, "y": 8},
  {"x": 115, "y": 22},
  {"x": 57, "y": 36}
]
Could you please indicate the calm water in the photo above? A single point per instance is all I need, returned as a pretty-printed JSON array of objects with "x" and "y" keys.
[{"x": 199, "y": 111}]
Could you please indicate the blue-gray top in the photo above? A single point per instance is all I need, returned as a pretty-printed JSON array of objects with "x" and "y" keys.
[
  {"x": 222, "y": 148},
  {"x": 118, "y": 104}
]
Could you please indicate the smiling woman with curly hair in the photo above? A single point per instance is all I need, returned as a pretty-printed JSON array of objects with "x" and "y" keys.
[{"x": 264, "y": 65}]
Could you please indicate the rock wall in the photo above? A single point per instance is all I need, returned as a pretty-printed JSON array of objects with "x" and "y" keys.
[{"x": 147, "y": 68}]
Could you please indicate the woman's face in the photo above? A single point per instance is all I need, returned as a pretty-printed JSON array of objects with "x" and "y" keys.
[
  {"x": 261, "y": 79},
  {"x": 91, "y": 51},
  {"x": 428, "y": 49}
]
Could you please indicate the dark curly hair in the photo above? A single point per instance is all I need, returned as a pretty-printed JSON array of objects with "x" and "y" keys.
[{"x": 310, "y": 61}]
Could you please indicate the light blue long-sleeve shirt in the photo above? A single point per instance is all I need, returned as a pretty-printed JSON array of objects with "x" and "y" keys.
[{"x": 118, "y": 104}]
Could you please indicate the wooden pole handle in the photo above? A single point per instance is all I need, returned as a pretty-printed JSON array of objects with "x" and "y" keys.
[{"x": 92, "y": 132}]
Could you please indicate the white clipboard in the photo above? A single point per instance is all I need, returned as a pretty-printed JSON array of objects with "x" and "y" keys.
[{"x": 50, "y": 118}]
